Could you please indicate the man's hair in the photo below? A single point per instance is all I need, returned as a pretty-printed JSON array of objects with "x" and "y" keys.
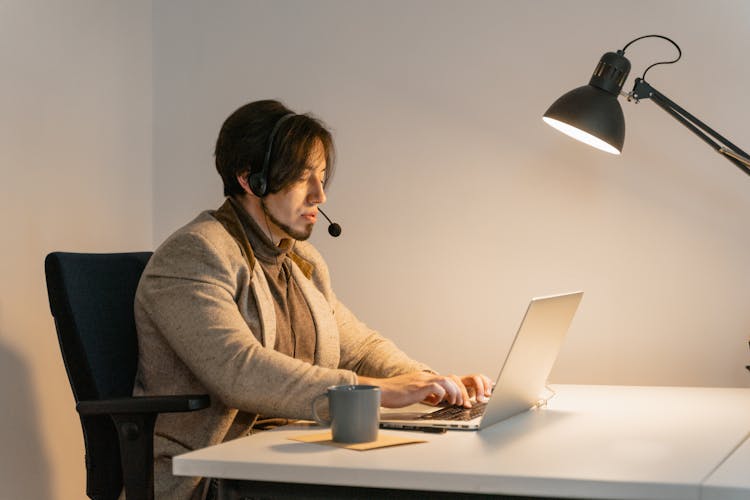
[{"x": 243, "y": 140}]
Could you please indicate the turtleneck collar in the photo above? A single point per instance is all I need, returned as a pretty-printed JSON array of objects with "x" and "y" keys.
[{"x": 262, "y": 246}]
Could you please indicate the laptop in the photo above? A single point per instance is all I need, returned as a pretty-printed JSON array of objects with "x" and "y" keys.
[{"x": 522, "y": 378}]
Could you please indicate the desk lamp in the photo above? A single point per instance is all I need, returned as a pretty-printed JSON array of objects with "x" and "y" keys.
[{"x": 592, "y": 114}]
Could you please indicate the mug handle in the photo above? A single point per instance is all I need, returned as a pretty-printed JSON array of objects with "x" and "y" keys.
[{"x": 318, "y": 419}]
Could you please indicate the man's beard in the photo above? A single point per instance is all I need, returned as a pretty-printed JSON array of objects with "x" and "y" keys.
[{"x": 296, "y": 235}]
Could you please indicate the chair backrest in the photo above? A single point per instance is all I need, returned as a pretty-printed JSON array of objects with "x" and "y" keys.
[{"x": 91, "y": 297}]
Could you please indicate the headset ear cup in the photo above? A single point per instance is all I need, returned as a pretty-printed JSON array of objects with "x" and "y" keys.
[{"x": 257, "y": 184}]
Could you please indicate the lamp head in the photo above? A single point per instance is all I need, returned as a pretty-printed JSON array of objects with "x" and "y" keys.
[{"x": 592, "y": 114}]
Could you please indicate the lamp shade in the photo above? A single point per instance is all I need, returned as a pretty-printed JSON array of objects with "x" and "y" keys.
[{"x": 591, "y": 113}]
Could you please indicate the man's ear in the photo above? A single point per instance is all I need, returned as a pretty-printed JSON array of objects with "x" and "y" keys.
[{"x": 242, "y": 180}]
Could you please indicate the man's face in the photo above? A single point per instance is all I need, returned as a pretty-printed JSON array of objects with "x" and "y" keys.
[{"x": 293, "y": 211}]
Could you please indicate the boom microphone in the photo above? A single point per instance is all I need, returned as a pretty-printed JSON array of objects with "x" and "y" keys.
[{"x": 333, "y": 228}]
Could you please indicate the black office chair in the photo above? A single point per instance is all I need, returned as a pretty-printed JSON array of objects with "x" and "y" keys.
[{"x": 91, "y": 297}]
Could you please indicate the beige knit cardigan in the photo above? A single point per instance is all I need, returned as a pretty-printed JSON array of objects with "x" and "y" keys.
[{"x": 196, "y": 334}]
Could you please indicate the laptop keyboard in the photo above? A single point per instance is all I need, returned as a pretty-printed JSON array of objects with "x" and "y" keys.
[{"x": 456, "y": 413}]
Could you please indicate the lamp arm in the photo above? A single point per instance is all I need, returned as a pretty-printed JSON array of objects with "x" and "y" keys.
[{"x": 642, "y": 90}]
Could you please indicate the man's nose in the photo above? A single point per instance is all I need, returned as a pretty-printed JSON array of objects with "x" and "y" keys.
[{"x": 318, "y": 195}]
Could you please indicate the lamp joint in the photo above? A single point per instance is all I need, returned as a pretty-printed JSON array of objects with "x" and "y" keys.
[{"x": 641, "y": 90}]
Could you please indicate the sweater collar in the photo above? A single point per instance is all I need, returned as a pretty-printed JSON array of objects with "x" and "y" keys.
[
  {"x": 263, "y": 248},
  {"x": 230, "y": 214}
]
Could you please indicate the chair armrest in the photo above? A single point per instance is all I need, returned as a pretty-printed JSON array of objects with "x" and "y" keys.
[
  {"x": 144, "y": 404},
  {"x": 134, "y": 419}
]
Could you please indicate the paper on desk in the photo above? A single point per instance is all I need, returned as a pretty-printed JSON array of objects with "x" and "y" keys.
[{"x": 383, "y": 441}]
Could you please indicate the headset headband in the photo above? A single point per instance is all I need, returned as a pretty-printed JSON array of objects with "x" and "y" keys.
[{"x": 258, "y": 181}]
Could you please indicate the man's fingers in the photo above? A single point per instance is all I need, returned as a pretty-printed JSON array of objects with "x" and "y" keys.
[
  {"x": 464, "y": 399},
  {"x": 481, "y": 384},
  {"x": 450, "y": 394},
  {"x": 487, "y": 386},
  {"x": 474, "y": 386}
]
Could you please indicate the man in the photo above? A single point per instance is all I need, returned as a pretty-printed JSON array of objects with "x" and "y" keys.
[{"x": 237, "y": 305}]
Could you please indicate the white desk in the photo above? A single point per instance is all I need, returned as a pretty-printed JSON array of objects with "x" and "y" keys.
[
  {"x": 731, "y": 481},
  {"x": 590, "y": 441}
]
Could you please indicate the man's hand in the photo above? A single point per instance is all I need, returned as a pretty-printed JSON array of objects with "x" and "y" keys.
[{"x": 430, "y": 388}]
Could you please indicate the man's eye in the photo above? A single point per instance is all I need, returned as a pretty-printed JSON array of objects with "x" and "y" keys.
[{"x": 305, "y": 178}]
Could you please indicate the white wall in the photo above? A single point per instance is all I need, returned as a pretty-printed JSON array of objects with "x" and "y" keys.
[
  {"x": 76, "y": 159},
  {"x": 457, "y": 203}
]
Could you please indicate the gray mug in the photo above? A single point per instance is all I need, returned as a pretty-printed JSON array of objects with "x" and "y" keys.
[{"x": 354, "y": 410}]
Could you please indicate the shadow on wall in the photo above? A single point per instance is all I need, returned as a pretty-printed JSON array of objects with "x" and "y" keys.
[{"x": 24, "y": 468}]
